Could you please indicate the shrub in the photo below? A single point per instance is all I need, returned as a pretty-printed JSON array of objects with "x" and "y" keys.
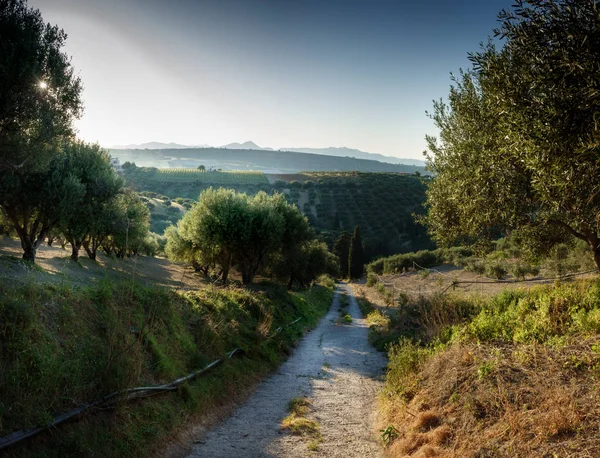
[
  {"x": 519, "y": 270},
  {"x": 371, "y": 279},
  {"x": 496, "y": 269},
  {"x": 400, "y": 262},
  {"x": 475, "y": 265},
  {"x": 405, "y": 358}
]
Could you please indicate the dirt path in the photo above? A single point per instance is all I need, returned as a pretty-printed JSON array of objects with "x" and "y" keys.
[{"x": 338, "y": 370}]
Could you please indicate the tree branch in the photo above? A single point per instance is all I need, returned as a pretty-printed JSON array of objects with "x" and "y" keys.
[{"x": 573, "y": 232}]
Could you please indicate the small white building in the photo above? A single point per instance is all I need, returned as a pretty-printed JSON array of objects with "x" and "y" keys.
[{"x": 114, "y": 161}]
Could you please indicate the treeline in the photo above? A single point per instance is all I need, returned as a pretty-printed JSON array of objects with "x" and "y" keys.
[
  {"x": 260, "y": 234},
  {"x": 78, "y": 198}
]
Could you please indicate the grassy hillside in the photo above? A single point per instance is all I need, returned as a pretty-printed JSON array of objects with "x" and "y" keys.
[
  {"x": 382, "y": 204},
  {"x": 249, "y": 159},
  {"x": 63, "y": 346},
  {"x": 511, "y": 375}
]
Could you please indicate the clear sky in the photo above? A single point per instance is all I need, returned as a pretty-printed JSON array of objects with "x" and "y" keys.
[{"x": 310, "y": 73}]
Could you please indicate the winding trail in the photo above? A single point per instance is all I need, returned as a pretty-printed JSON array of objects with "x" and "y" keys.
[{"x": 338, "y": 370}]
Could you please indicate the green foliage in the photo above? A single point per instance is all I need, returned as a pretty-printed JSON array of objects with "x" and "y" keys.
[
  {"x": 389, "y": 434},
  {"x": 334, "y": 206},
  {"x": 251, "y": 233},
  {"x": 400, "y": 262},
  {"x": 371, "y": 279},
  {"x": 36, "y": 202},
  {"x": 39, "y": 92},
  {"x": 237, "y": 177},
  {"x": 496, "y": 269},
  {"x": 91, "y": 167},
  {"x": 39, "y": 99},
  {"x": 304, "y": 264},
  {"x": 518, "y": 132},
  {"x": 405, "y": 358},
  {"x": 128, "y": 224},
  {"x": 78, "y": 344}
]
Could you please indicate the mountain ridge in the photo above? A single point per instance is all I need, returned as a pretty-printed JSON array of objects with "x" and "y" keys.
[{"x": 250, "y": 145}]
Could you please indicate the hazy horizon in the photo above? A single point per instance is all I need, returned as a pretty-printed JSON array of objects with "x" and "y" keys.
[{"x": 356, "y": 74}]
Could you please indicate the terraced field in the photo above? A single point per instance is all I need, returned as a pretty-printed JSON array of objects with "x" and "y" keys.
[{"x": 238, "y": 177}]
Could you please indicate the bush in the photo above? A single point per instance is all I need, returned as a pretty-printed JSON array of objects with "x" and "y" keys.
[
  {"x": 496, "y": 269},
  {"x": 401, "y": 262},
  {"x": 475, "y": 265},
  {"x": 371, "y": 279},
  {"x": 405, "y": 358}
]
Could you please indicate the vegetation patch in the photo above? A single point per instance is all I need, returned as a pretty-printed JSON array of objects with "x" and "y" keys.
[
  {"x": 297, "y": 423},
  {"x": 514, "y": 375},
  {"x": 63, "y": 346}
]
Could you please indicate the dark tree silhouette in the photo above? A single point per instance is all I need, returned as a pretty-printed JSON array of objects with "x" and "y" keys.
[{"x": 356, "y": 259}]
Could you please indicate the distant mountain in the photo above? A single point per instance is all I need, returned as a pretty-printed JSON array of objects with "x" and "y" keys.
[
  {"x": 158, "y": 145},
  {"x": 274, "y": 162},
  {"x": 250, "y": 145},
  {"x": 245, "y": 145},
  {"x": 358, "y": 154}
]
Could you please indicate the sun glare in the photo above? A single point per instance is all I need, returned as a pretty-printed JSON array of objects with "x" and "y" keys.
[{"x": 43, "y": 85}]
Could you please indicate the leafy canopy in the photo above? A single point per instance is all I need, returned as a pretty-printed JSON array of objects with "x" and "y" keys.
[{"x": 519, "y": 135}]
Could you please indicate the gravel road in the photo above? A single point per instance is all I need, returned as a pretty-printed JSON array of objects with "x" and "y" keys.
[{"x": 338, "y": 370}]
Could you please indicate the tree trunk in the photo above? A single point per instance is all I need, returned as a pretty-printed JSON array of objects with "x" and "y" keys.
[
  {"x": 291, "y": 282},
  {"x": 247, "y": 277},
  {"x": 597, "y": 257},
  {"x": 75, "y": 247},
  {"x": 30, "y": 243},
  {"x": 90, "y": 249},
  {"x": 225, "y": 274},
  {"x": 29, "y": 251}
]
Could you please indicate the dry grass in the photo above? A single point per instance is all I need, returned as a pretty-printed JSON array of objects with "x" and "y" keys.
[
  {"x": 532, "y": 400},
  {"x": 297, "y": 423}
]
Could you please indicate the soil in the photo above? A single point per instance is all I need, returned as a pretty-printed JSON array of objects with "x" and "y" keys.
[{"x": 335, "y": 367}]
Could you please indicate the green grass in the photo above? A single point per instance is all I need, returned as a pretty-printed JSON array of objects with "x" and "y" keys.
[
  {"x": 547, "y": 315},
  {"x": 62, "y": 346}
]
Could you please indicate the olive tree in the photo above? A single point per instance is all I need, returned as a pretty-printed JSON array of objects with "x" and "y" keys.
[
  {"x": 519, "y": 135},
  {"x": 100, "y": 183},
  {"x": 250, "y": 233},
  {"x": 39, "y": 99},
  {"x": 128, "y": 226}
]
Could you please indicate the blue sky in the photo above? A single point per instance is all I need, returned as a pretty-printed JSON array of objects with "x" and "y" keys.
[{"x": 310, "y": 73}]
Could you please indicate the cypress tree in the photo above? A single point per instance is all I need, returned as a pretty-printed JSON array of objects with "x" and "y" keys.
[
  {"x": 356, "y": 258},
  {"x": 341, "y": 248}
]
